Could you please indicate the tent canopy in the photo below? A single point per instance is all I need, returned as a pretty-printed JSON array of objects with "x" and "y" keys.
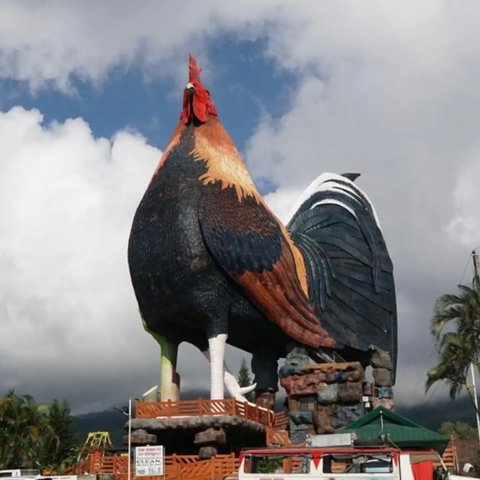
[{"x": 401, "y": 431}]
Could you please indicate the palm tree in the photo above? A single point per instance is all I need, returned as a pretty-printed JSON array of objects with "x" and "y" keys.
[
  {"x": 19, "y": 429},
  {"x": 24, "y": 431},
  {"x": 456, "y": 327}
]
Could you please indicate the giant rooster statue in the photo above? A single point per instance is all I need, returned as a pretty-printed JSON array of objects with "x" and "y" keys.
[{"x": 210, "y": 263}]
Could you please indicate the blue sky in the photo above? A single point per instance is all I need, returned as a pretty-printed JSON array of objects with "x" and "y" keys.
[
  {"x": 386, "y": 89},
  {"x": 245, "y": 84}
]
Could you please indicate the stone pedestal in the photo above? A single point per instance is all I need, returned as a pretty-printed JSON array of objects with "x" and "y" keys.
[
  {"x": 383, "y": 378},
  {"x": 265, "y": 399},
  {"x": 322, "y": 397},
  {"x": 203, "y": 435},
  {"x": 209, "y": 440}
]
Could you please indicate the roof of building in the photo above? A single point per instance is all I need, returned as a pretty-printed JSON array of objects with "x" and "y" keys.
[{"x": 399, "y": 430}]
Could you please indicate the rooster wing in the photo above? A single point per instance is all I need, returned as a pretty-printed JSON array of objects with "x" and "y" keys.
[{"x": 254, "y": 249}]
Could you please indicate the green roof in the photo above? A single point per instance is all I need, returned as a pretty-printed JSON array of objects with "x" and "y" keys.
[{"x": 400, "y": 430}]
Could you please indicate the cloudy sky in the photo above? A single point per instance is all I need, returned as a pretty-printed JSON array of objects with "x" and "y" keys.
[{"x": 91, "y": 91}]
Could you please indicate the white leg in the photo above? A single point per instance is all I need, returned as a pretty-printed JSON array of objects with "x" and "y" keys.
[
  {"x": 216, "y": 346},
  {"x": 231, "y": 383}
]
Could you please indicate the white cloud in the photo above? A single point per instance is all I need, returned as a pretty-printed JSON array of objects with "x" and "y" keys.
[
  {"x": 281, "y": 202},
  {"x": 389, "y": 91},
  {"x": 87, "y": 39},
  {"x": 67, "y": 200}
]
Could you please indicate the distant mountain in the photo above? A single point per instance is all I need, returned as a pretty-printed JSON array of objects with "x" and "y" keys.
[
  {"x": 430, "y": 415},
  {"x": 115, "y": 422},
  {"x": 108, "y": 420}
]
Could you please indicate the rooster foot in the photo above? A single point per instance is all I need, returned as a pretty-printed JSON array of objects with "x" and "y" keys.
[{"x": 231, "y": 383}]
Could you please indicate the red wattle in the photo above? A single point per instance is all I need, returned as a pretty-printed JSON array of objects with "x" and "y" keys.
[{"x": 199, "y": 109}]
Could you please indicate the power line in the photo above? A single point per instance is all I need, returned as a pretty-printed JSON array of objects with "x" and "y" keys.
[
  {"x": 465, "y": 269},
  {"x": 468, "y": 262}
]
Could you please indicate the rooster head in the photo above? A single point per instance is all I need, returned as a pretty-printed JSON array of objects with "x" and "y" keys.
[
  {"x": 210, "y": 141},
  {"x": 197, "y": 103}
]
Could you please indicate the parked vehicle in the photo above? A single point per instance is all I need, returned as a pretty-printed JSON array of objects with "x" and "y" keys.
[
  {"x": 20, "y": 472},
  {"x": 35, "y": 474},
  {"x": 342, "y": 463}
]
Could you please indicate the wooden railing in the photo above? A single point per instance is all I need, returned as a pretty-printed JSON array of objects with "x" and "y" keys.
[
  {"x": 187, "y": 408},
  {"x": 450, "y": 457},
  {"x": 200, "y": 407},
  {"x": 114, "y": 465},
  {"x": 280, "y": 420},
  {"x": 276, "y": 438},
  {"x": 253, "y": 412},
  {"x": 177, "y": 467}
]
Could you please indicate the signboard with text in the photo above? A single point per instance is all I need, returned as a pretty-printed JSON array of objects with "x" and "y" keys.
[{"x": 149, "y": 461}]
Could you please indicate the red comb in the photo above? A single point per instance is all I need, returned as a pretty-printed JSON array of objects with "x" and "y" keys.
[
  {"x": 196, "y": 103},
  {"x": 193, "y": 69}
]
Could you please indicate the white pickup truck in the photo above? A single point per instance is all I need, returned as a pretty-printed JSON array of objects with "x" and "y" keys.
[
  {"x": 342, "y": 463},
  {"x": 34, "y": 474},
  {"x": 19, "y": 472}
]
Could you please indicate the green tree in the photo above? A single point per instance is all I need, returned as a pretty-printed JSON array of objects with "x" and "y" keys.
[
  {"x": 61, "y": 447},
  {"x": 32, "y": 435},
  {"x": 461, "y": 430},
  {"x": 456, "y": 327},
  {"x": 22, "y": 423},
  {"x": 244, "y": 379}
]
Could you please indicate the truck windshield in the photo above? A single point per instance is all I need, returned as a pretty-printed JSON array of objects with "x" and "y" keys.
[
  {"x": 354, "y": 463},
  {"x": 20, "y": 473},
  {"x": 277, "y": 463}
]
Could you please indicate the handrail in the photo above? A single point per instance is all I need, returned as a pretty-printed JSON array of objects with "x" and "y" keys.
[
  {"x": 201, "y": 407},
  {"x": 178, "y": 467}
]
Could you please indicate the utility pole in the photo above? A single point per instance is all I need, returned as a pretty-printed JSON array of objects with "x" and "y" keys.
[
  {"x": 127, "y": 411},
  {"x": 129, "y": 476},
  {"x": 476, "y": 269},
  {"x": 475, "y": 398},
  {"x": 476, "y": 263}
]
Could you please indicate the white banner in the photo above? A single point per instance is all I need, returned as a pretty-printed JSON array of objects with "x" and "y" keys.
[{"x": 149, "y": 461}]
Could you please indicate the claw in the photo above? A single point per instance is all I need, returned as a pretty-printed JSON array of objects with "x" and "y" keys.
[
  {"x": 234, "y": 388},
  {"x": 250, "y": 388}
]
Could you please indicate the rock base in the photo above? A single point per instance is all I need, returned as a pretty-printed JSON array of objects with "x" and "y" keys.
[
  {"x": 205, "y": 435},
  {"x": 323, "y": 397}
]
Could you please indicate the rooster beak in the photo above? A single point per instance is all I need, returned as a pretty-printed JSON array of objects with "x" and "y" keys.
[{"x": 191, "y": 88}]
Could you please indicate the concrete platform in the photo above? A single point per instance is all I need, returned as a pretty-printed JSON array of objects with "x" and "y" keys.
[{"x": 177, "y": 434}]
